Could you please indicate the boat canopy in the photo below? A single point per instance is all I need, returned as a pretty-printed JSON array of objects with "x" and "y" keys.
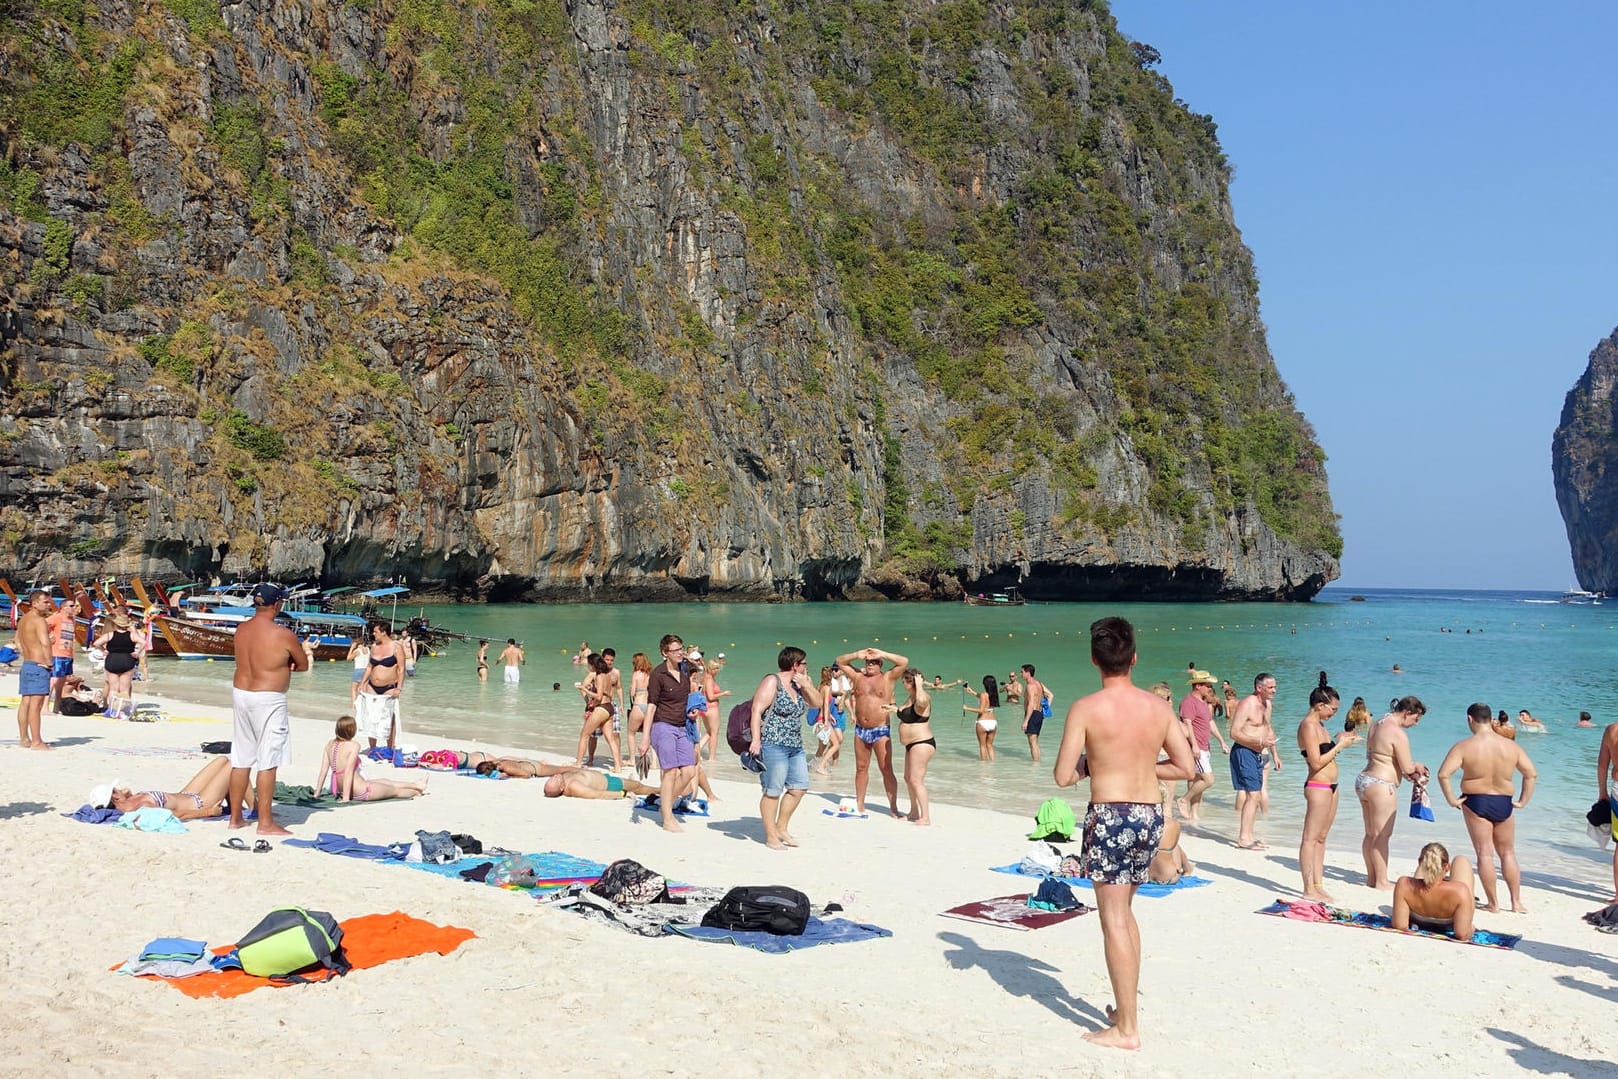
[
  {"x": 378, "y": 593},
  {"x": 324, "y": 618}
]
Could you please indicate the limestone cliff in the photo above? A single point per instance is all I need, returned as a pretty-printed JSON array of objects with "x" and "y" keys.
[
  {"x": 633, "y": 298},
  {"x": 1584, "y": 466}
]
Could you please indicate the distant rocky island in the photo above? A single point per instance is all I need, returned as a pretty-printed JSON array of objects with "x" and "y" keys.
[
  {"x": 518, "y": 299},
  {"x": 1584, "y": 467}
]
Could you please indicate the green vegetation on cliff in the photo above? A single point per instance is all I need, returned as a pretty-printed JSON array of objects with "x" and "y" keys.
[{"x": 1053, "y": 260}]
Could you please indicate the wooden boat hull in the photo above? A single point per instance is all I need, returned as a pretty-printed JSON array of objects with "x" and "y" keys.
[{"x": 198, "y": 640}]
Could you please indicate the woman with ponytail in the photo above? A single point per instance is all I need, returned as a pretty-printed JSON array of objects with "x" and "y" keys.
[
  {"x": 1439, "y": 897},
  {"x": 1320, "y": 751}
]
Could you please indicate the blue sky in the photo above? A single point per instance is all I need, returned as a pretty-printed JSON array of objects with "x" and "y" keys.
[{"x": 1428, "y": 191}]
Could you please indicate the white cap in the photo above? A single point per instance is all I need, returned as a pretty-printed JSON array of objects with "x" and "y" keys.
[
  {"x": 101, "y": 796},
  {"x": 693, "y": 654}
]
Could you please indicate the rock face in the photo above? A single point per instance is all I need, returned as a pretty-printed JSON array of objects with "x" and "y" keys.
[
  {"x": 596, "y": 300},
  {"x": 1584, "y": 465}
]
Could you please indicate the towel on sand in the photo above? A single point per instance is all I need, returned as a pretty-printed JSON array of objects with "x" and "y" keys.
[
  {"x": 1150, "y": 891},
  {"x": 818, "y": 931},
  {"x": 1012, "y": 912},
  {"x": 1302, "y": 910},
  {"x": 301, "y": 794},
  {"x": 694, "y": 807},
  {"x": 369, "y": 941}
]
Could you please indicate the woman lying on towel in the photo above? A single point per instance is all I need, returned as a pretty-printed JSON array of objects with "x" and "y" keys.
[
  {"x": 202, "y": 796},
  {"x": 1439, "y": 897},
  {"x": 450, "y": 760},
  {"x": 520, "y": 768},
  {"x": 341, "y": 759}
]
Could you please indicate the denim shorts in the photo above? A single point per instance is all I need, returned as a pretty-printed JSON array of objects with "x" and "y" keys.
[{"x": 785, "y": 768}]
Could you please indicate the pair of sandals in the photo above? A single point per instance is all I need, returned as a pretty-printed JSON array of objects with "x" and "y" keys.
[{"x": 235, "y": 842}]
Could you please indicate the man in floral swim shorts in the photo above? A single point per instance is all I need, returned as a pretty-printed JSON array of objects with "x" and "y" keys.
[{"x": 1114, "y": 737}]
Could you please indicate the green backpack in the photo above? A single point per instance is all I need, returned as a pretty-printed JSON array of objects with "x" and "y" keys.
[{"x": 292, "y": 939}]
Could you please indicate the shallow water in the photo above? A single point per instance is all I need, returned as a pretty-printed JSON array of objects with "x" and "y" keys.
[{"x": 1524, "y": 650}]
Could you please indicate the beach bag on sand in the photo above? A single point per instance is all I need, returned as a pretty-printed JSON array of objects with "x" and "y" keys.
[
  {"x": 766, "y": 908},
  {"x": 628, "y": 883},
  {"x": 739, "y": 728},
  {"x": 289, "y": 940}
]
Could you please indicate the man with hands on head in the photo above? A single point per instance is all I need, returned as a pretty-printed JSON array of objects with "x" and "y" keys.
[{"x": 873, "y": 692}]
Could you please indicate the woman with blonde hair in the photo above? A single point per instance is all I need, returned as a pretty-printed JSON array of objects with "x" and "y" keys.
[
  {"x": 1387, "y": 763},
  {"x": 340, "y": 759},
  {"x": 640, "y": 674},
  {"x": 1438, "y": 897},
  {"x": 1358, "y": 715}
]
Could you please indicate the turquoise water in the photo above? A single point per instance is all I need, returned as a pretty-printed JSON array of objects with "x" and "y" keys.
[{"x": 1524, "y": 650}]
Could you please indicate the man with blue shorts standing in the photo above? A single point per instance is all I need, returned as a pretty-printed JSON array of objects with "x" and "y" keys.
[
  {"x": 1251, "y": 735},
  {"x": 34, "y": 683}
]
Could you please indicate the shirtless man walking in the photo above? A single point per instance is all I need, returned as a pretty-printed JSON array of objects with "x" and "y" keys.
[
  {"x": 1035, "y": 700},
  {"x": 513, "y": 658},
  {"x": 266, "y": 655},
  {"x": 34, "y": 683},
  {"x": 1490, "y": 762},
  {"x": 1114, "y": 737},
  {"x": 1251, "y": 734},
  {"x": 1607, "y": 787},
  {"x": 873, "y": 693}
]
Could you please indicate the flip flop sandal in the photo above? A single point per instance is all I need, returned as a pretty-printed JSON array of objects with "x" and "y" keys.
[
  {"x": 235, "y": 842},
  {"x": 262, "y": 846}
]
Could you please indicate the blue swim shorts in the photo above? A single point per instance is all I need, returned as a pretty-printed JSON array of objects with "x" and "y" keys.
[
  {"x": 1246, "y": 768},
  {"x": 34, "y": 681},
  {"x": 61, "y": 666}
]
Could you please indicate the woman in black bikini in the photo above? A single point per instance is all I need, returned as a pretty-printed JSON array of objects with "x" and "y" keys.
[
  {"x": 1319, "y": 751},
  {"x": 916, "y": 736},
  {"x": 377, "y": 706},
  {"x": 483, "y": 661}
]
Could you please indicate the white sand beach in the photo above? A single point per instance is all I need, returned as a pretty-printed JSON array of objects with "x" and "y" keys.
[{"x": 543, "y": 991}]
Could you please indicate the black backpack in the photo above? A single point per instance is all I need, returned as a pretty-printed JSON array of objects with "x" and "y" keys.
[
  {"x": 765, "y": 908},
  {"x": 739, "y": 728}
]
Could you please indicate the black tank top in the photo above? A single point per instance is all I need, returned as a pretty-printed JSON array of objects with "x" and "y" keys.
[{"x": 121, "y": 641}]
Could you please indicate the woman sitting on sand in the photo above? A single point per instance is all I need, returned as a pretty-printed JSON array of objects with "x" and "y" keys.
[
  {"x": 1170, "y": 863},
  {"x": 202, "y": 796},
  {"x": 1320, "y": 752},
  {"x": 988, "y": 701},
  {"x": 341, "y": 759},
  {"x": 1387, "y": 761},
  {"x": 1439, "y": 897}
]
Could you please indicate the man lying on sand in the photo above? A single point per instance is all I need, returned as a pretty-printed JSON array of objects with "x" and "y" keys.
[{"x": 588, "y": 783}]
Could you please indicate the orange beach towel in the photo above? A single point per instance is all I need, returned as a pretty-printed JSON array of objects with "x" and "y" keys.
[{"x": 369, "y": 941}]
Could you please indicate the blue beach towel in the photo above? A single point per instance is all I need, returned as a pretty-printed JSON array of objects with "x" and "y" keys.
[
  {"x": 90, "y": 814},
  {"x": 818, "y": 931},
  {"x": 151, "y": 820},
  {"x": 1151, "y": 891},
  {"x": 1360, "y": 920},
  {"x": 349, "y": 847},
  {"x": 550, "y": 865}
]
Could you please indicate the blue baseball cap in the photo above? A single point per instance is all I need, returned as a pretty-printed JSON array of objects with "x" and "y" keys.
[{"x": 268, "y": 595}]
